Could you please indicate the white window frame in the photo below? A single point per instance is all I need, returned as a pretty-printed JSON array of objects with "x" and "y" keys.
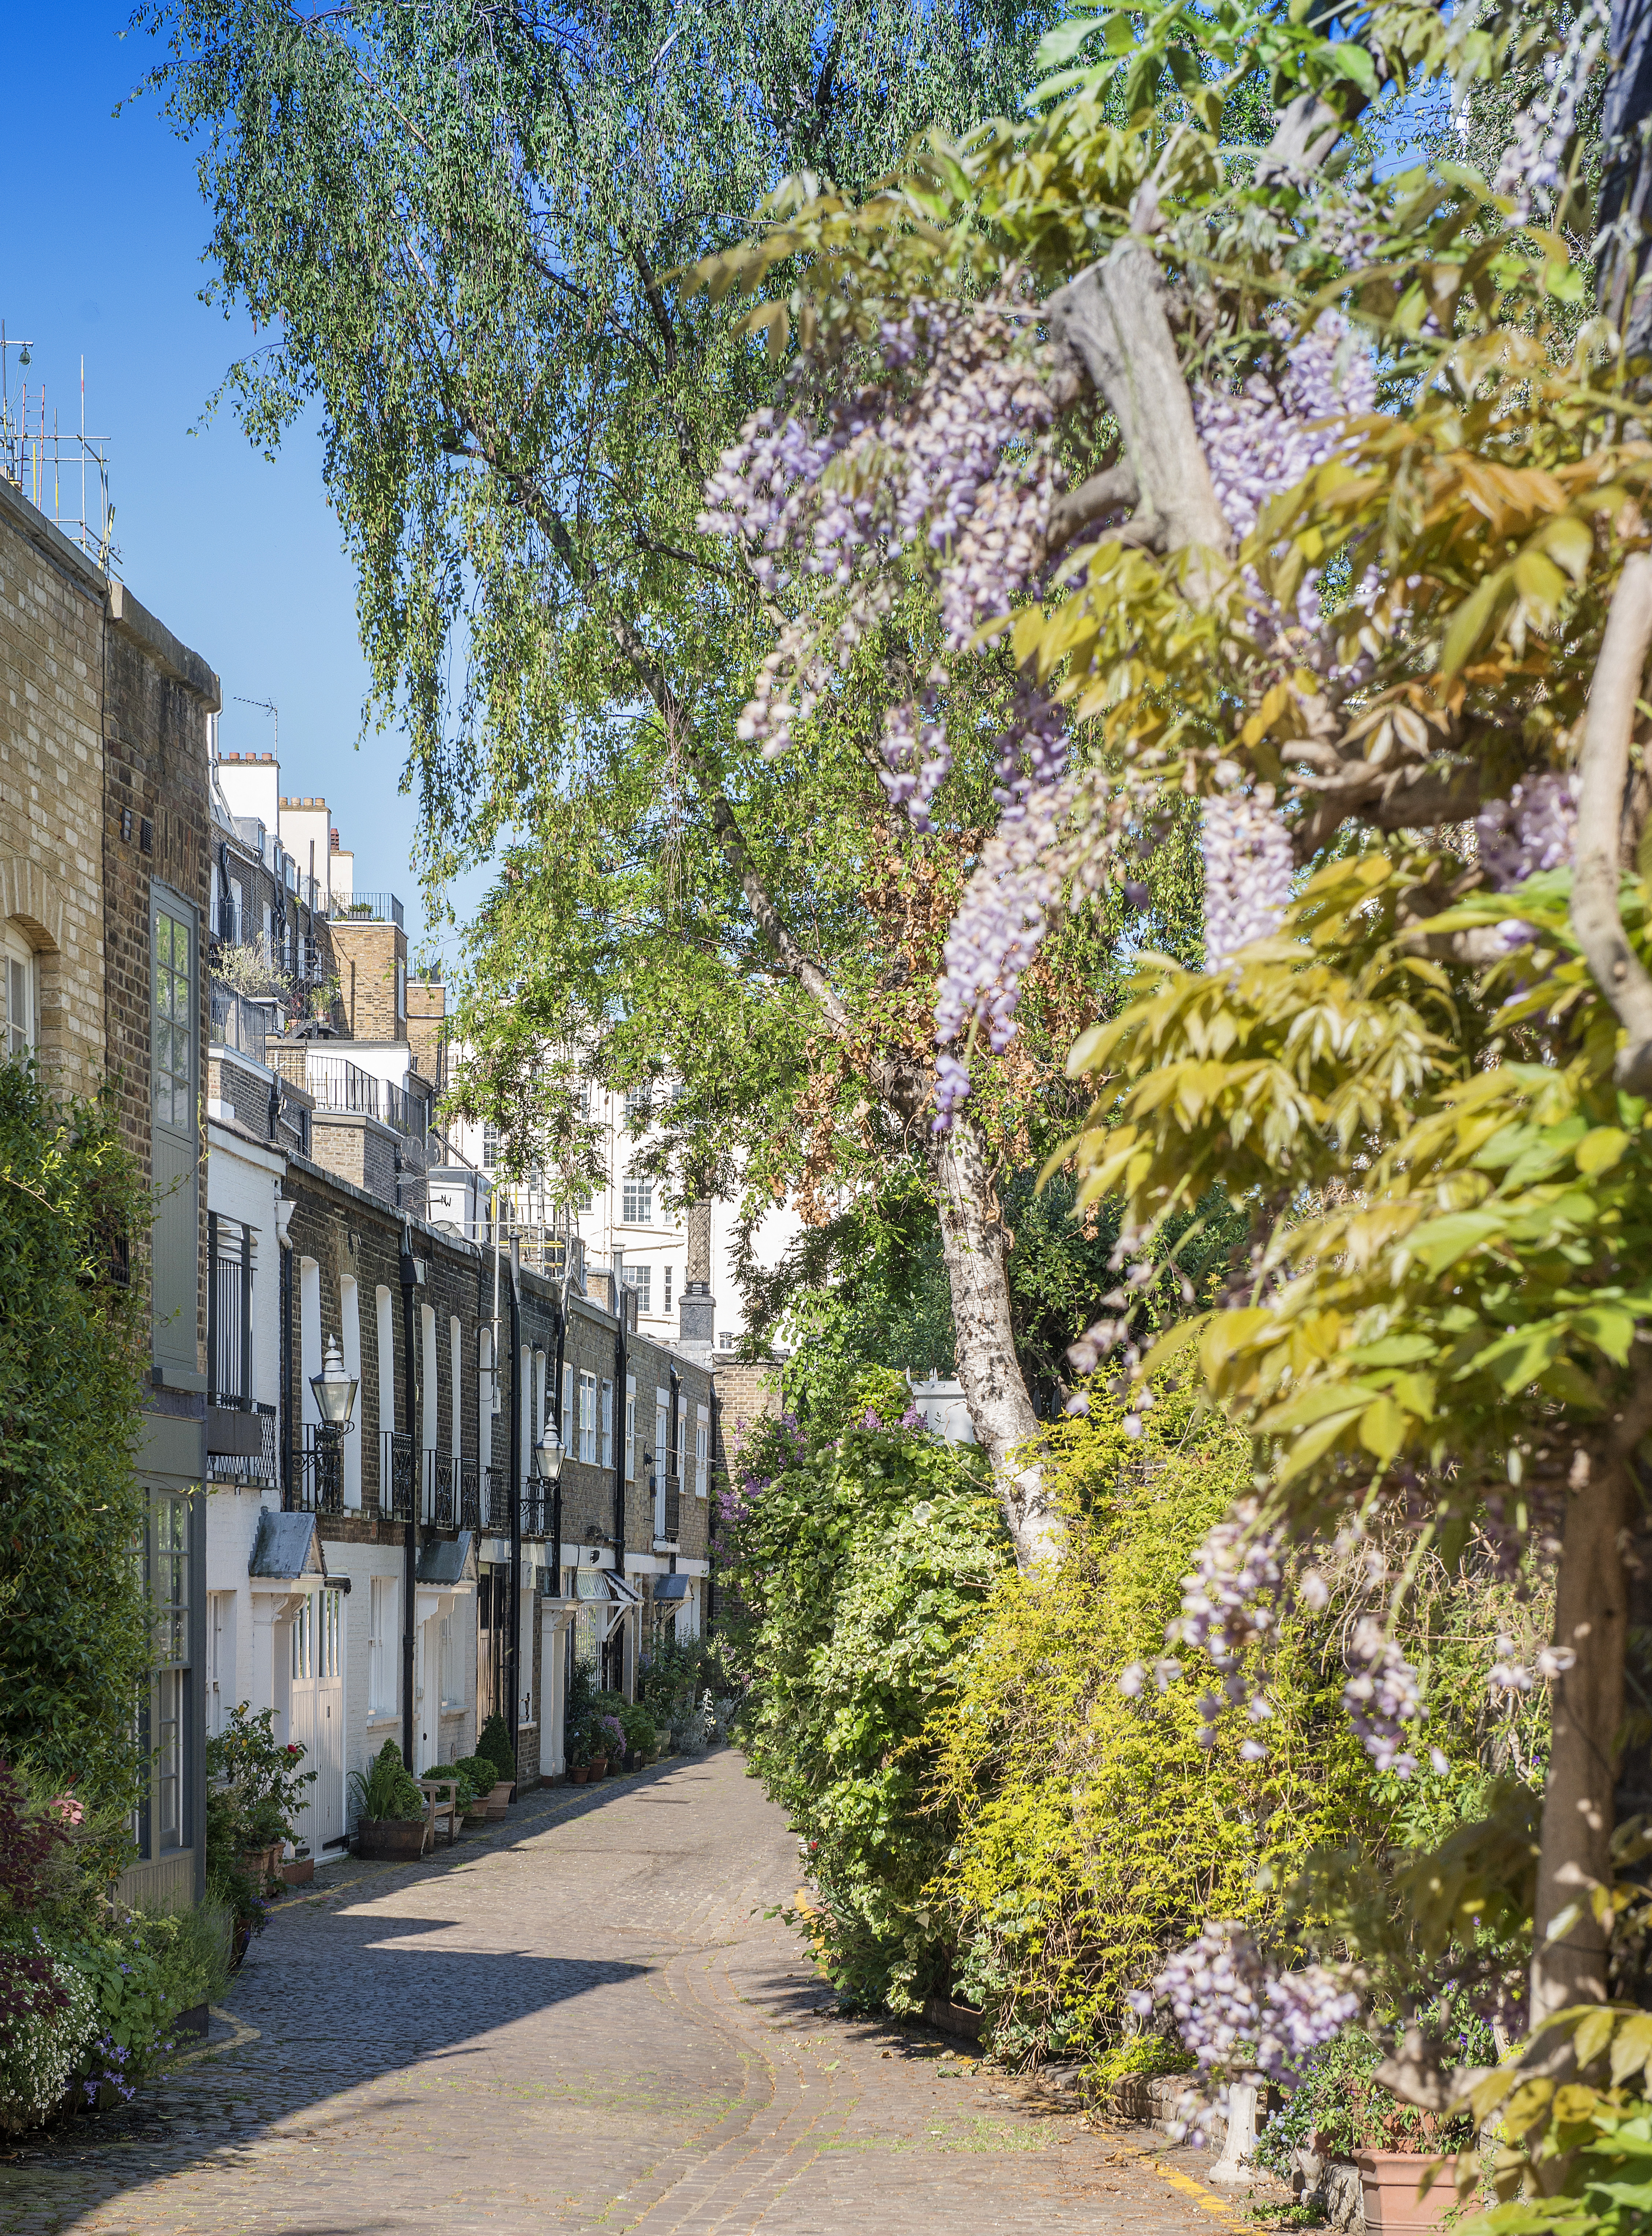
[
  {"x": 702, "y": 1451},
  {"x": 605, "y": 1428},
  {"x": 637, "y": 1199},
  {"x": 383, "y": 1663},
  {"x": 631, "y": 1427},
  {"x": 589, "y": 1419},
  {"x": 18, "y": 1005}
]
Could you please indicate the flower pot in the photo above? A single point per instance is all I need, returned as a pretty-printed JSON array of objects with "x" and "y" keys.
[
  {"x": 388, "y": 1839},
  {"x": 598, "y": 1765},
  {"x": 1388, "y": 2181},
  {"x": 616, "y": 1766},
  {"x": 299, "y": 1871},
  {"x": 499, "y": 1797},
  {"x": 477, "y": 1814},
  {"x": 241, "y": 1941}
]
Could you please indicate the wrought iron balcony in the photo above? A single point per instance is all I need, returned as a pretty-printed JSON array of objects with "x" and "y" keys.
[
  {"x": 397, "y": 1476},
  {"x": 470, "y": 1494},
  {"x": 499, "y": 1500},
  {"x": 668, "y": 1513},
  {"x": 365, "y": 908},
  {"x": 319, "y": 1478},
  {"x": 258, "y": 1423},
  {"x": 537, "y": 1499}
]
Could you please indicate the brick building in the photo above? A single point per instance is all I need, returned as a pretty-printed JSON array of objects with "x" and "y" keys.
[{"x": 104, "y": 730}]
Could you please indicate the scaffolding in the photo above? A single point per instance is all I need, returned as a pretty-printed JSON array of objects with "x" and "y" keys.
[{"x": 64, "y": 476}]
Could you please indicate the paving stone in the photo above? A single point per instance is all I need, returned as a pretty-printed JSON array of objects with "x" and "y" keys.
[{"x": 582, "y": 2020}]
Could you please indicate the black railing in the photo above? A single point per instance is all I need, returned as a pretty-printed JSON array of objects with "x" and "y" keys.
[
  {"x": 670, "y": 1512},
  {"x": 499, "y": 1500},
  {"x": 469, "y": 1495},
  {"x": 536, "y": 1508},
  {"x": 397, "y": 1476},
  {"x": 229, "y": 1312},
  {"x": 318, "y": 1487},
  {"x": 365, "y": 908},
  {"x": 338, "y": 1084},
  {"x": 247, "y": 1467},
  {"x": 441, "y": 1491}
]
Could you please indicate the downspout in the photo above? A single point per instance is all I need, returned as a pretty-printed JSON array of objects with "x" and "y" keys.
[
  {"x": 282, "y": 1230},
  {"x": 513, "y": 1650},
  {"x": 617, "y": 1429},
  {"x": 410, "y": 1538}
]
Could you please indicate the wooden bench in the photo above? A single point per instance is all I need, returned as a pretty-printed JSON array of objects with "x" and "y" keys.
[{"x": 442, "y": 1795}]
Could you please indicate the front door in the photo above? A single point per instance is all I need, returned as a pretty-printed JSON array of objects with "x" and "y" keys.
[{"x": 327, "y": 1794}]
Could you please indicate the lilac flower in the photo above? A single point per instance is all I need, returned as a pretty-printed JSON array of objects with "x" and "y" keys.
[{"x": 1382, "y": 1696}]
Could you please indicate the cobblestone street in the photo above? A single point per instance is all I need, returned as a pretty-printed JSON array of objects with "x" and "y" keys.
[{"x": 582, "y": 2022}]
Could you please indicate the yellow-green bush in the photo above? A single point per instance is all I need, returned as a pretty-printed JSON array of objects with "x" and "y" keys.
[{"x": 1093, "y": 1833}]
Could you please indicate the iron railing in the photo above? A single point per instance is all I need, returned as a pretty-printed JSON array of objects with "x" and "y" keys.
[
  {"x": 499, "y": 1500},
  {"x": 238, "y": 1467},
  {"x": 669, "y": 1513},
  {"x": 319, "y": 1481},
  {"x": 365, "y": 908},
  {"x": 238, "y": 1021},
  {"x": 338, "y": 1084},
  {"x": 397, "y": 1475},
  {"x": 466, "y": 1475}
]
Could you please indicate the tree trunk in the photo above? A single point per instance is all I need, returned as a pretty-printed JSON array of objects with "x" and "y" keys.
[
  {"x": 1008, "y": 1429},
  {"x": 1569, "y": 1967}
]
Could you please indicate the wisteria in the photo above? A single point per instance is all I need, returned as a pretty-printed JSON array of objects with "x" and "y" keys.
[
  {"x": 1531, "y": 829},
  {"x": 957, "y": 464},
  {"x": 1006, "y": 905},
  {"x": 1248, "y": 869},
  {"x": 1264, "y": 437},
  {"x": 918, "y": 759},
  {"x": 1237, "y": 2014},
  {"x": 1382, "y": 1696},
  {"x": 1538, "y": 138}
]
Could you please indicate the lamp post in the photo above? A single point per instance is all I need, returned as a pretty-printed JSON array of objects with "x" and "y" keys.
[{"x": 335, "y": 1395}]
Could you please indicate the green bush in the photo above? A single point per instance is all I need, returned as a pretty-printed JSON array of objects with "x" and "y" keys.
[
  {"x": 480, "y": 1772},
  {"x": 641, "y": 1737},
  {"x": 863, "y": 1561},
  {"x": 495, "y": 1744},
  {"x": 388, "y": 1791},
  {"x": 75, "y": 1640}
]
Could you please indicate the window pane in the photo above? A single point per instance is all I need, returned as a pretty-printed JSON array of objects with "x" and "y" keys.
[{"x": 163, "y": 942}]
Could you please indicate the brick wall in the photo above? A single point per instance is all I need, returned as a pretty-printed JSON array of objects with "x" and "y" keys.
[
  {"x": 367, "y": 957},
  {"x": 51, "y": 782},
  {"x": 240, "y": 1090}
]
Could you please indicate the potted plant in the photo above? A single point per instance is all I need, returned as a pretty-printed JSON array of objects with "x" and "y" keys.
[
  {"x": 611, "y": 1740},
  {"x": 1340, "y": 2117},
  {"x": 480, "y": 1775},
  {"x": 494, "y": 1745},
  {"x": 393, "y": 1813},
  {"x": 642, "y": 1740},
  {"x": 263, "y": 1780}
]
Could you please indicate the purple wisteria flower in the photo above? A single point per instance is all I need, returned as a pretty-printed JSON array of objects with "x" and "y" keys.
[
  {"x": 1249, "y": 866},
  {"x": 1531, "y": 829},
  {"x": 1237, "y": 2014}
]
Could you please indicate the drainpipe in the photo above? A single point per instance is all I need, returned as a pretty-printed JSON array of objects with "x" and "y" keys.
[
  {"x": 283, "y": 1229},
  {"x": 513, "y": 1650},
  {"x": 411, "y": 1539}
]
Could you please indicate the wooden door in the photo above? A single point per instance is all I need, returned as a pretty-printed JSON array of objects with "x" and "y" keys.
[{"x": 327, "y": 1794}]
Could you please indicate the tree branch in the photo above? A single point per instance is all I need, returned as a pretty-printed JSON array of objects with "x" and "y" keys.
[
  {"x": 1104, "y": 491},
  {"x": 1112, "y": 317},
  {"x": 1602, "y": 771}
]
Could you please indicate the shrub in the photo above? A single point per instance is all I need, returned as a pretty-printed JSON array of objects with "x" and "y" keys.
[
  {"x": 480, "y": 1771},
  {"x": 263, "y": 1777},
  {"x": 72, "y": 1660},
  {"x": 641, "y": 1737},
  {"x": 495, "y": 1744},
  {"x": 863, "y": 1561},
  {"x": 49, "y": 2024},
  {"x": 388, "y": 1790}
]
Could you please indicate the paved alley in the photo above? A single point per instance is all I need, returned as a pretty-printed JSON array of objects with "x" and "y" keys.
[{"x": 584, "y": 2021}]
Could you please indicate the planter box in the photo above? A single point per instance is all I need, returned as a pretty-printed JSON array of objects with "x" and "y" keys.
[
  {"x": 1388, "y": 2181},
  {"x": 387, "y": 1838},
  {"x": 195, "y": 2020},
  {"x": 299, "y": 1871},
  {"x": 498, "y": 1800},
  {"x": 262, "y": 1863}
]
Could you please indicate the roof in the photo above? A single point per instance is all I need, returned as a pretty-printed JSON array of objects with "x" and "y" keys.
[
  {"x": 287, "y": 1546},
  {"x": 671, "y": 1588},
  {"x": 448, "y": 1560}
]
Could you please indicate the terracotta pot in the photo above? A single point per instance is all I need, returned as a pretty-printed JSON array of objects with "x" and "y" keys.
[
  {"x": 498, "y": 1800},
  {"x": 388, "y": 1839},
  {"x": 1388, "y": 2181},
  {"x": 300, "y": 1871},
  {"x": 240, "y": 1940},
  {"x": 477, "y": 1814},
  {"x": 580, "y": 1773}
]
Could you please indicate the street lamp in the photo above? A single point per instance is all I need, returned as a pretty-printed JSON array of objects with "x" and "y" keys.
[
  {"x": 548, "y": 1458},
  {"x": 335, "y": 1391}
]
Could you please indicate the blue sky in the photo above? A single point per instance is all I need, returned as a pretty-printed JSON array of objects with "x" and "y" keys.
[{"x": 241, "y": 559}]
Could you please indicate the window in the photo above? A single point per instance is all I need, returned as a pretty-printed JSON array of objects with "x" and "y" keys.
[
  {"x": 605, "y": 1455},
  {"x": 636, "y": 1206},
  {"x": 332, "y": 1642},
  {"x": 661, "y": 1416},
  {"x": 381, "y": 1646},
  {"x": 566, "y": 1430},
  {"x": 452, "y": 1696},
  {"x": 701, "y": 1454},
  {"x": 174, "y": 1022},
  {"x": 401, "y": 989},
  {"x": 726, "y": 1339},
  {"x": 668, "y": 1274},
  {"x": 490, "y": 1148},
  {"x": 170, "y": 1590},
  {"x": 637, "y": 1102},
  {"x": 588, "y": 1419},
  {"x": 16, "y": 1000},
  {"x": 631, "y": 1433},
  {"x": 641, "y": 1278}
]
